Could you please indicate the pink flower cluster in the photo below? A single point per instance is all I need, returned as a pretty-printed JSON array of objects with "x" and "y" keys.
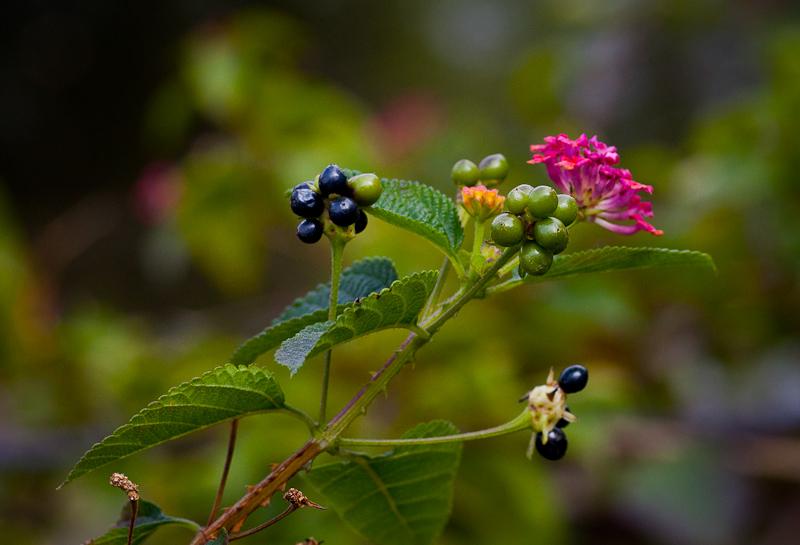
[{"x": 606, "y": 195}]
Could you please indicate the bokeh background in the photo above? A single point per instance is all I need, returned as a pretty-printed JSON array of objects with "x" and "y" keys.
[{"x": 144, "y": 153}]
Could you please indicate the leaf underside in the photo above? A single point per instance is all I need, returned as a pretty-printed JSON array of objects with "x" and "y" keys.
[
  {"x": 359, "y": 280},
  {"x": 614, "y": 258},
  {"x": 396, "y": 306},
  {"x": 403, "y": 497},
  {"x": 421, "y": 209},
  {"x": 221, "y": 394},
  {"x": 148, "y": 519}
]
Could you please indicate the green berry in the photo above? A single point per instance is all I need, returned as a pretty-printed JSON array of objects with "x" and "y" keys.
[
  {"x": 551, "y": 235},
  {"x": 542, "y": 201},
  {"x": 494, "y": 169},
  {"x": 517, "y": 198},
  {"x": 465, "y": 172},
  {"x": 366, "y": 188},
  {"x": 507, "y": 230},
  {"x": 567, "y": 209},
  {"x": 535, "y": 260}
]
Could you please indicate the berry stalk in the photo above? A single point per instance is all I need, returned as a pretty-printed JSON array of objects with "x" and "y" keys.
[{"x": 337, "y": 251}]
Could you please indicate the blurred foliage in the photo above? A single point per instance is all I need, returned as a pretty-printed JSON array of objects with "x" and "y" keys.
[{"x": 690, "y": 428}]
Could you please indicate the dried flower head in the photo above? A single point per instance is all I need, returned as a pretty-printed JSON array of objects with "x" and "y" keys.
[
  {"x": 548, "y": 404},
  {"x": 481, "y": 202},
  {"x": 122, "y": 482},
  {"x": 606, "y": 195}
]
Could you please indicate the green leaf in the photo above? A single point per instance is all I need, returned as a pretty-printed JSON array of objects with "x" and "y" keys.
[
  {"x": 613, "y": 258},
  {"x": 221, "y": 394},
  {"x": 402, "y": 497},
  {"x": 359, "y": 280},
  {"x": 148, "y": 519},
  {"x": 396, "y": 306},
  {"x": 423, "y": 210}
]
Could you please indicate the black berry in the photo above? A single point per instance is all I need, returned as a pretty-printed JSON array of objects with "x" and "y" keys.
[
  {"x": 556, "y": 446},
  {"x": 573, "y": 378},
  {"x": 343, "y": 211},
  {"x": 361, "y": 222},
  {"x": 333, "y": 180},
  {"x": 307, "y": 203},
  {"x": 309, "y": 230}
]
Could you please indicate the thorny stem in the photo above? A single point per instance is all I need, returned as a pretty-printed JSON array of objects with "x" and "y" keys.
[
  {"x": 521, "y": 422},
  {"x": 337, "y": 249},
  {"x": 225, "y": 469},
  {"x": 357, "y": 406}
]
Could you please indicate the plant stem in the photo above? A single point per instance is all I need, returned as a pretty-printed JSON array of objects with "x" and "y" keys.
[
  {"x": 286, "y": 512},
  {"x": 225, "y": 469},
  {"x": 477, "y": 243},
  {"x": 521, "y": 422},
  {"x": 441, "y": 280},
  {"x": 352, "y": 410},
  {"x": 134, "y": 512},
  {"x": 302, "y": 415},
  {"x": 509, "y": 284},
  {"x": 337, "y": 250}
]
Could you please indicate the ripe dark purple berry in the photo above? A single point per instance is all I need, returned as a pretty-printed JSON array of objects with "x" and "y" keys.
[
  {"x": 361, "y": 222},
  {"x": 309, "y": 230},
  {"x": 343, "y": 211},
  {"x": 556, "y": 446},
  {"x": 573, "y": 378},
  {"x": 333, "y": 180},
  {"x": 306, "y": 202}
]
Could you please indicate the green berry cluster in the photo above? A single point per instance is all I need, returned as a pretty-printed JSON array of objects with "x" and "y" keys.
[
  {"x": 491, "y": 171},
  {"x": 538, "y": 218},
  {"x": 333, "y": 200}
]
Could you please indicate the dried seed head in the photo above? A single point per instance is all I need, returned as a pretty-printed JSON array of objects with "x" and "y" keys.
[
  {"x": 548, "y": 404},
  {"x": 299, "y": 500},
  {"x": 118, "y": 480}
]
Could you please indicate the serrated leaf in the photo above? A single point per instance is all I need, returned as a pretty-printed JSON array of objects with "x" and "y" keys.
[
  {"x": 359, "y": 280},
  {"x": 402, "y": 497},
  {"x": 396, "y": 306},
  {"x": 613, "y": 258},
  {"x": 221, "y": 394},
  {"x": 421, "y": 209},
  {"x": 363, "y": 277},
  {"x": 148, "y": 519}
]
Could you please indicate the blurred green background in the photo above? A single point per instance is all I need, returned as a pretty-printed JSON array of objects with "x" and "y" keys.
[{"x": 144, "y": 153}]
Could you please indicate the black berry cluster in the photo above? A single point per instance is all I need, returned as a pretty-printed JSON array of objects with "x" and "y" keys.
[
  {"x": 538, "y": 216},
  {"x": 573, "y": 379},
  {"x": 334, "y": 199}
]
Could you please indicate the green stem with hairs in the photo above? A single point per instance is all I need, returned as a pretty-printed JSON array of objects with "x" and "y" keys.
[
  {"x": 521, "y": 422},
  {"x": 337, "y": 251}
]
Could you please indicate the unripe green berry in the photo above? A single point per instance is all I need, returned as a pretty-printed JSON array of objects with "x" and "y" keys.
[
  {"x": 535, "y": 260},
  {"x": 567, "y": 209},
  {"x": 517, "y": 198},
  {"x": 366, "y": 188},
  {"x": 465, "y": 172},
  {"x": 542, "y": 201},
  {"x": 494, "y": 169},
  {"x": 507, "y": 230},
  {"x": 551, "y": 235}
]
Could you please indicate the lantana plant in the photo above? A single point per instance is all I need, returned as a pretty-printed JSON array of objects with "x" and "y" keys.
[{"x": 402, "y": 496}]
